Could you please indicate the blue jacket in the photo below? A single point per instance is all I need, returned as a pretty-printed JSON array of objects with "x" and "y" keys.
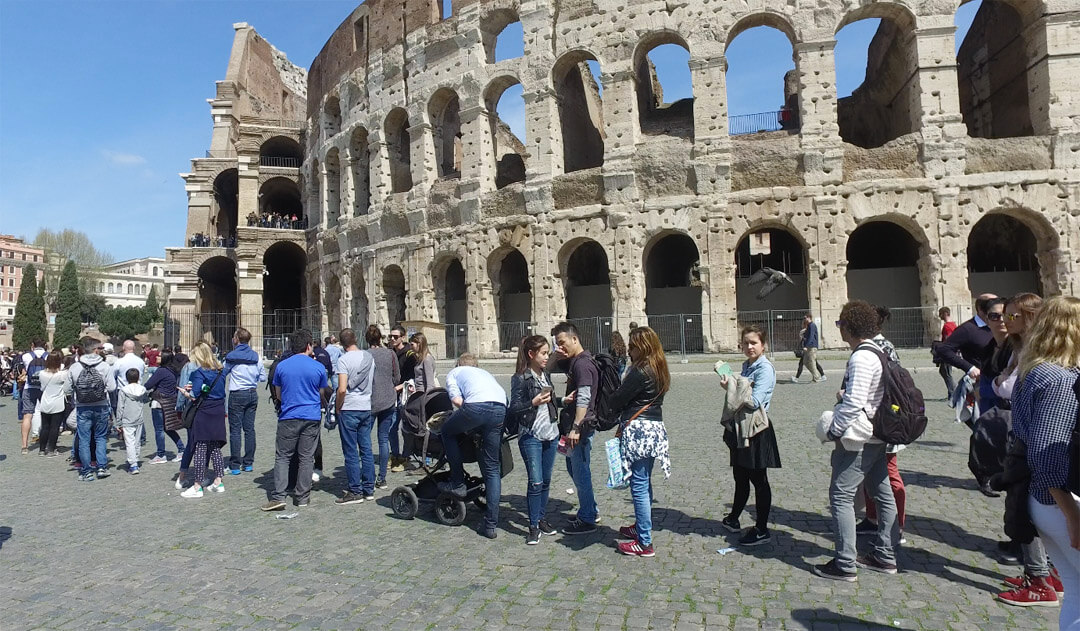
[
  {"x": 810, "y": 340},
  {"x": 244, "y": 368}
]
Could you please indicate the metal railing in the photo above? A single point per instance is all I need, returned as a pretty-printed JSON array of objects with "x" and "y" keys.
[
  {"x": 595, "y": 333},
  {"x": 743, "y": 124},
  {"x": 277, "y": 161},
  {"x": 681, "y": 332},
  {"x": 457, "y": 339},
  {"x": 187, "y": 326},
  {"x": 511, "y": 334}
]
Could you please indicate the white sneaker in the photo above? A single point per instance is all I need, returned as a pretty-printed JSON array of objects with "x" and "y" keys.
[
  {"x": 794, "y": 379},
  {"x": 218, "y": 488},
  {"x": 316, "y": 475},
  {"x": 179, "y": 484},
  {"x": 824, "y": 377},
  {"x": 195, "y": 491}
]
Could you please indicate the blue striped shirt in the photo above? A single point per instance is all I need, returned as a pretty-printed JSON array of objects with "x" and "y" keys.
[{"x": 1044, "y": 415}]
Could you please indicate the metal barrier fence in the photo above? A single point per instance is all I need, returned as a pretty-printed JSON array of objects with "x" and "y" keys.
[
  {"x": 187, "y": 326},
  {"x": 682, "y": 332},
  {"x": 595, "y": 333},
  {"x": 743, "y": 124},
  {"x": 457, "y": 339},
  {"x": 511, "y": 334}
]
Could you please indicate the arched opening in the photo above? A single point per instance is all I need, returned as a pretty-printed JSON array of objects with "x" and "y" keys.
[
  {"x": 762, "y": 83},
  {"x": 360, "y": 163},
  {"x": 450, "y": 297},
  {"x": 762, "y": 254},
  {"x": 665, "y": 91},
  {"x": 283, "y": 277},
  {"x": 581, "y": 110},
  {"x": 129, "y": 290},
  {"x": 673, "y": 292},
  {"x": 399, "y": 151},
  {"x": 279, "y": 197},
  {"x": 394, "y": 290},
  {"x": 101, "y": 287},
  {"x": 504, "y": 98},
  {"x": 333, "y": 187},
  {"x": 587, "y": 282},
  {"x": 359, "y": 300},
  {"x": 877, "y": 72},
  {"x": 281, "y": 151},
  {"x": 444, "y": 112},
  {"x": 883, "y": 269},
  {"x": 1003, "y": 257},
  {"x": 995, "y": 63},
  {"x": 112, "y": 288},
  {"x": 332, "y": 308},
  {"x": 217, "y": 300},
  {"x": 509, "y": 272},
  {"x": 332, "y": 116},
  {"x": 502, "y": 35},
  {"x": 226, "y": 202}
]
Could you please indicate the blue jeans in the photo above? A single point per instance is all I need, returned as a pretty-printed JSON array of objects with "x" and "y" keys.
[
  {"x": 242, "y": 405},
  {"x": 539, "y": 458},
  {"x": 354, "y": 426},
  {"x": 578, "y": 464},
  {"x": 485, "y": 419},
  {"x": 388, "y": 443},
  {"x": 641, "y": 494},
  {"x": 92, "y": 421},
  {"x": 158, "y": 415}
]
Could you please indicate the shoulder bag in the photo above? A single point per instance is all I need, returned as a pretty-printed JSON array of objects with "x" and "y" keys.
[{"x": 188, "y": 417}]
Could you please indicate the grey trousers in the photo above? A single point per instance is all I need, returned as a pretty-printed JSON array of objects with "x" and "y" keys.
[
  {"x": 300, "y": 437},
  {"x": 849, "y": 469}
]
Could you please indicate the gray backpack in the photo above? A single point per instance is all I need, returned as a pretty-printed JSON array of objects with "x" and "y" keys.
[{"x": 89, "y": 386}]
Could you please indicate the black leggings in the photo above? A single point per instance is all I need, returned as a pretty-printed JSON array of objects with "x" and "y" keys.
[
  {"x": 762, "y": 494},
  {"x": 50, "y": 430},
  {"x": 820, "y": 370}
]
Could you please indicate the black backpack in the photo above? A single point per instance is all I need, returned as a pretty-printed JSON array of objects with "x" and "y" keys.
[
  {"x": 37, "y": 364},
  {"x": 608, "y": 370},
  {"x": 89, "y": 386},
  {"x": 901, "y": 417}
]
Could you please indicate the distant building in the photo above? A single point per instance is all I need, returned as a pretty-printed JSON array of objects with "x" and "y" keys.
[
  {"x": 128, "y": 283},
  {"x": 15, "y": 254}
]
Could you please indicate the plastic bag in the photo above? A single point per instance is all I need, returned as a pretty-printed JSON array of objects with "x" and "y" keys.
[{"x": 618, "y": 478}]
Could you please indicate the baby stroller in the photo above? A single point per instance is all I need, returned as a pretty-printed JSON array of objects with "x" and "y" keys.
[{"x": 423, "y": 414}]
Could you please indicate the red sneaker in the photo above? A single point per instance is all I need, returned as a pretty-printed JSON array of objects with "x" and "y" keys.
[
  {"x": 1054, "y": 580},
  {"x": 628, "y": 532},
  {"x": 635, "y": 549},
  {"x": 1037, "y": 593}
]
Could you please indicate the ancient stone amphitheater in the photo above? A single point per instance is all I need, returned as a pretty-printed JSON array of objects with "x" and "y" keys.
[{"x": 942, "y": 175}]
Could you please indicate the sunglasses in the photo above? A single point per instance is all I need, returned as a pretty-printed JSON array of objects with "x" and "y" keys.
[
  {"x": 395, "y": 337},
  {"x": 1013, "y": 316},
  {"x": 995, "y": 317}
]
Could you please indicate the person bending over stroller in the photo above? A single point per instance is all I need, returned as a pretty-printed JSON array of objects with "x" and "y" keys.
[{"x": 481, "y": 404}]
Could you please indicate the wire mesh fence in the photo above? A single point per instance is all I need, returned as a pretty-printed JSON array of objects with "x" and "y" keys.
[
  {"x": 511, "y": 334},
  {"x": 680, "y": 332},
  {"x": 270, "y": 331},
  {"x": 595, "y": 333}
]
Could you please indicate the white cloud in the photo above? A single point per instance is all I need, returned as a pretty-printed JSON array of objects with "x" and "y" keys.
[{"x": 126, "y": 159}]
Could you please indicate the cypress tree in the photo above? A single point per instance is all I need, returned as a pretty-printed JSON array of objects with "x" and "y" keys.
[
  {"x": 152, "y": 306},
  {"x": 30, "y": 323},
  {"x": 68, "y": 308}
]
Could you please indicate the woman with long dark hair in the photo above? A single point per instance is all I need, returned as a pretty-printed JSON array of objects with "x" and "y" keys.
[
  {"x": 642, "y": 436},
  {"x": 162, "y": 388},
  {"x": 424, "y": 373},
  {"x": 533, "y": 409},
  {"x": 54, "y": 391}
]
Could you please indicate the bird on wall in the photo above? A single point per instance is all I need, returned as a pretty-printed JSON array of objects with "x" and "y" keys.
[{"x": 772, "y": 279}]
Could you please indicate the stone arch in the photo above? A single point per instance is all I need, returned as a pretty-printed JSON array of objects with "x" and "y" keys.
[
  {"x": 451, "y": 293},
  {"x": 332, "y": 116},
  {"x": 281, "y": 151},
  {"x": 396, "y": 131},
  {"x": 1011, "y": 250},
  {"x": 444, "y": 113},
  {"x": 280, "y": 195},
  {"x": 768, "y": 18},
  {"x": 284, "y": 264},
  {"x": 655, "y": 116},
  {"x": 226, "y": 190},
  {"x": 673, "y": 290},
  {"x": 492, "y": 24},
  {"x": 332, "y": 165},
  {"x": 360, "y": 166},
  {"x": 393, "y": 286},
  {"x": 778, "y": 247},
  {"x": 786, "y": 118},
  {"x": 887, "y": 104},
  {"x": 586, "y": 279},
  {"x": 508, "y": 149},
  {"x": 581, "y": 117},
  {"x": 512, "y": 291},
  {"x": 217, "y": 300}
]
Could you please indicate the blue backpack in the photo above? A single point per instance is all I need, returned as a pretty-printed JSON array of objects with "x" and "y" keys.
[{"x": 33, "y": 370}]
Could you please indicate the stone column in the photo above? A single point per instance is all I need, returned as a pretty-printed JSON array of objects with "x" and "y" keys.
[
  {"x": 200, "y": 203},
  {"x": 823, "y": 151},
  {"x": 483, "y": 319},
  {"x": 621, "y": 127},
  {"x": 347, "y": 189},
  {"x": 548, "y": 295},
  {"x": 827, "y": 266},
  {"x": 718, "y": 302},
  {"x": 478, "y": 159},
  {"x": 422, "y": 165},
  {"x": 953, "y": 290},
  {"x": 249, "y": 284},
  {"x": 627, "y": 276},
  {"x": 379, "y": 168},
  {"x": 1054, "y": 82},
  {"x": 544, "y": 135},
  {"x": 712, "y": 144},
  {"x": 942, "y": 125},
  {"x": 247, "y": 198}
]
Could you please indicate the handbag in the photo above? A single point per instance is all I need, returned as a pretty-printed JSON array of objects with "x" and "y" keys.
[
  {"x": 188, "y": 417},
  {"x": 798, "y": 353}
]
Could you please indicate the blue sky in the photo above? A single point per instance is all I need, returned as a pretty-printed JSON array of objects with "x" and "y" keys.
[{"x": 103, "y": 102}]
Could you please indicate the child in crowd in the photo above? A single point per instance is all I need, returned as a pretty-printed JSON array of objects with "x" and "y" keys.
[{"x": 129, "y": 414}]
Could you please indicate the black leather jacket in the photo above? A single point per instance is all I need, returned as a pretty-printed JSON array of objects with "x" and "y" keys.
[
  {"x": 523, "y": 389},
  {"x": 638, "y": 389}
]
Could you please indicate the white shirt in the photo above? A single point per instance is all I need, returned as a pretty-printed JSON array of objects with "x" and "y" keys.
[
  {"x": 474, "y": 385},
  {"x": 120, "y": 368}
]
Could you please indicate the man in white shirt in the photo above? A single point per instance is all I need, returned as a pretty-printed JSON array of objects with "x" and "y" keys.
[
  {"x": 481, "y": 404},
  {"x": 118, "y": 371}
]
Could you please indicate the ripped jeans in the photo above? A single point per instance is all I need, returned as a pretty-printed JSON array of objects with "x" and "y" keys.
[{"x": 539, "y": 457}]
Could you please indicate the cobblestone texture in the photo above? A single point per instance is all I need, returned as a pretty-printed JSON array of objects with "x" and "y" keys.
[{"x": 128, "y": 552}]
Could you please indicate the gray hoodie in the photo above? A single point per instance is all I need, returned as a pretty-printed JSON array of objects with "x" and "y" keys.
[
  {"x": 130, "y": 404},
  {"x": 94, "y": 361}
]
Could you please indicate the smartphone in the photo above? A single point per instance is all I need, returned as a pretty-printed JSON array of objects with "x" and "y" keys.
[{"x": 547, "y": 389}]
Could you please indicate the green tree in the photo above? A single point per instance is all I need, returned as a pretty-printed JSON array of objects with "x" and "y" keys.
[
  {"x": 30, "y": 323},
  {"x": 152, "y": 306},
  {"x": 124, "y": 322},
  {"x": 69, "y": 245},
  {"x": 68, "y": 308},
  {"x": 91, "y": 307}
]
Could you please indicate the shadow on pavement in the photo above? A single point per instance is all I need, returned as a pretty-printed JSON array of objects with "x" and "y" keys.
[{"x": 820, "y": 618}]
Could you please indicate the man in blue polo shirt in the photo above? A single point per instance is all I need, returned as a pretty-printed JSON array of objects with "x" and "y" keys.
[{"x": 299, "y": 383}]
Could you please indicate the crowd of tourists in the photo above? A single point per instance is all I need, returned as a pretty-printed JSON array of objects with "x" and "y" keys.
[
  {"x": 200, "y": 240},
  {"x": 1020, "y": 357},
  {"x": 276, "y": 220}
]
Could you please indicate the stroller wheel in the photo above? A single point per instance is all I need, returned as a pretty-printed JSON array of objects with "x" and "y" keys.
[
  {"x": 403, "y": 501},
  {"x": 449, "y": 510}
]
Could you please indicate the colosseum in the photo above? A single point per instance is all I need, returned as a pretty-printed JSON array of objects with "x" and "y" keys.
[{"x": 943, "y": 175}]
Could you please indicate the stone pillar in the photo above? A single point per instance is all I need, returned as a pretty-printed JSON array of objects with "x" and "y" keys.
[
  {"x": 422, "y": 160},
  {"x": 419, "y": 286},
  {"x": 718, "y": 302},
  {"x": 544, "y": 135},
  {"x": 952, "y": 267},
  {"x": 478, "y": 159},
  {"x": 379, "y": 169},
  {"x": 249, "y": 284},
  {"x": 1053, "y": 45},
  {"x": 942, "y": 125},
  {"x": 200, "y": 203},
  {"x": 621, "y": 127},
  {"x": 827, "y": 266},
  {"x": 823, "y": 151},
  {"x": 712, "y": 144},
  {"x": 548, "y": 295},
  {"x": 627, "y": 276},
  {"x": 483, "y": 319},
  {"x": 247, "y": 198},
  {"x": 347, "y": 189}
]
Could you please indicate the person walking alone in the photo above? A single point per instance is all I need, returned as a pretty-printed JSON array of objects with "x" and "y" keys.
[{"x": 810, "y": 342}]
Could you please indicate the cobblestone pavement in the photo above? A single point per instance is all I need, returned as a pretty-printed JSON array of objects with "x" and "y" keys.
[{"x": 128, "y": 552}]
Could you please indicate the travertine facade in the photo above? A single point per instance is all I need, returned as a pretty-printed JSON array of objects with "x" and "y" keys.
[{"x": 419, "y": 209}]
